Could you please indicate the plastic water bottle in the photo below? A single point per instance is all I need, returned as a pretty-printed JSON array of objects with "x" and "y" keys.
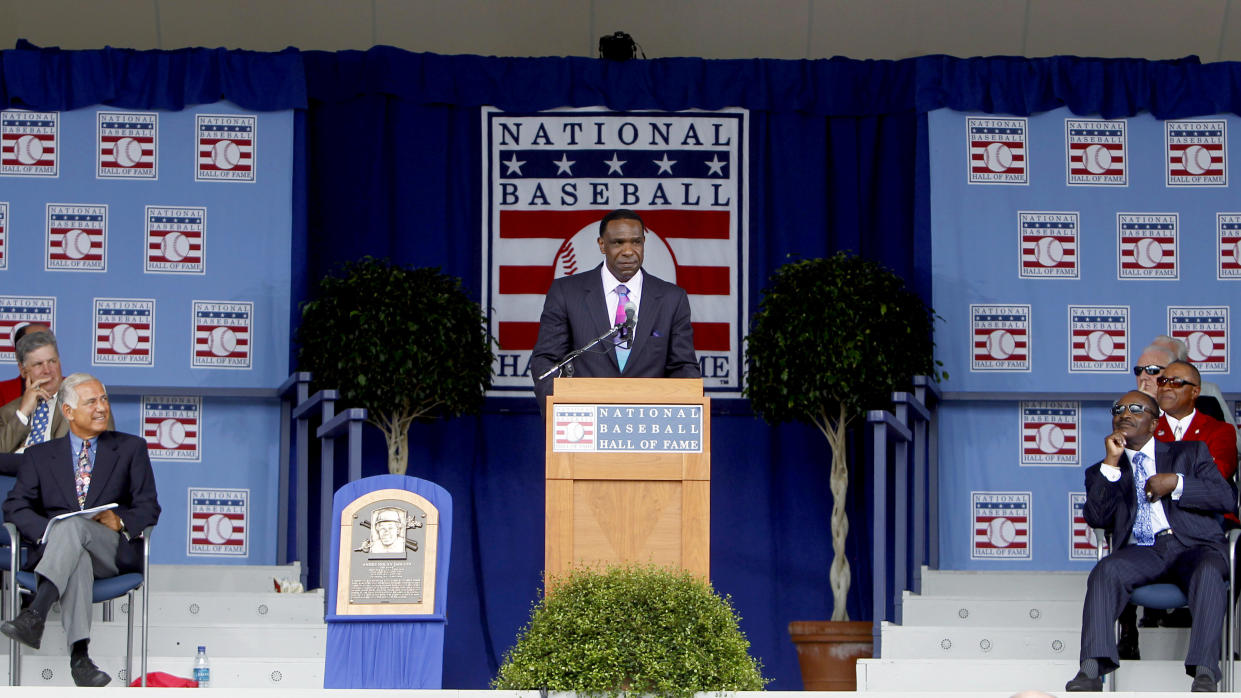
[{"x": 202, "y": 668}]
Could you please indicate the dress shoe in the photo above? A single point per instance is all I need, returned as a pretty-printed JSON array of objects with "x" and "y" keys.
[
  {"x": 1081, "y": 682},
  {"x": 85, "y": 673},
  {"x": 26, "y": 628},
  {"x": 1203, "y": 683}
]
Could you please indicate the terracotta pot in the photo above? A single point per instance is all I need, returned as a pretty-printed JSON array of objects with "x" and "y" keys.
[{"x": 828, "y": 652}]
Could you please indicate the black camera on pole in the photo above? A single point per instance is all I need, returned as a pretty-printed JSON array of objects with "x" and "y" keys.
[{"x": 617, "y": 46}]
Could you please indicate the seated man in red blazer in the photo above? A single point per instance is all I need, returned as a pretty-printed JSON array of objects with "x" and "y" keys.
[{"x": 1178, "y": 388}]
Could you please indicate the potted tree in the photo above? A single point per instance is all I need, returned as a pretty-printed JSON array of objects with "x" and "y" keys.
[
  {"x": 405, "y": 343},
  {"x": 644, "y": 629},
  {"x": 833, "y": 337}
]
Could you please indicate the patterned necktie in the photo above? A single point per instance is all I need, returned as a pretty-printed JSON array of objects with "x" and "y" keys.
[
  {"x": 622, "y": 355},
  {"x": 38, "y": 424},
  {"x": 1178, "y": 431},
  {"x": 1142, "y": 533},
  {"x": 83, "y": 478}
]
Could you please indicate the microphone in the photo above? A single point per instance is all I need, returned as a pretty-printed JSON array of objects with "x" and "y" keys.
[{"x": 627, "y": 328}]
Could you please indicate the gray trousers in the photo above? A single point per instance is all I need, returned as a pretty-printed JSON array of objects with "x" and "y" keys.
[{"x": 78, "y": 550}]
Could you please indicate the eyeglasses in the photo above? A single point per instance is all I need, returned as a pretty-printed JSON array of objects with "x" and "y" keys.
[
  {"x": 1177, "y": 382},
  {"x": 1151, "y": 370},
  {"x": 1133, "y": 408}
]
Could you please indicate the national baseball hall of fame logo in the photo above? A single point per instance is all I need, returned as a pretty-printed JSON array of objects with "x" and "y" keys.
[
  {"x": 1205, "y": 332},
  {"x": 1001, "y": 526},
  {"x": 226, "y": 148},
  {"x": 18, "y": 311},
  {"x": 1096, "y": 152},
  {"x": 29, "y": 143},
  {"x": 1049, "y": 432},
  {"x": 222, "y": 334},
  {"x": 124, "y": 331},
  {"x": 997, "y": 151},
  {"x": 126, "y": 145},
  {"x": 1228, "y": 232},
  {"x": 1048, "y": 242},
  {"x": 1099, "y": 338},
  {"x": 1197, "y": 153},
  {"x": 1146, "y": 246},
  {"x": 1000, "y": 337},
  {"x": 77, "y": 237},
  {"x": 172, "y": 426},
  {"x": 219, "y": 522},
  {"x": 176, "y": 239},
  {"x": 1082, "y": 545},
  {"x": 550, "y": 177}
]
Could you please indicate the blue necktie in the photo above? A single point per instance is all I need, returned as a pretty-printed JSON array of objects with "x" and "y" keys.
[
  {"x": 1142, "y": 533},
  {"x": 622, "y": 355},
  {"x": 38, "y": 424}
]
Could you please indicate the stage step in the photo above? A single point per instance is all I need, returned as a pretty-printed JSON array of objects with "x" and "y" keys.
[
  {"x": 983, "y": 642},
  {"x": 1003, "y": 584},
  {"x": 226, "y": 672},
  {"x": 961, "y": 611},
  {"x": 285, "y": 640},
  {"x": 917, "y": 676},
  {"x": 252, "y": 578}
]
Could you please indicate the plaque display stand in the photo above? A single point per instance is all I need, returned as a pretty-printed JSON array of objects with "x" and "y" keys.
[
  {"x": 387, "y": 592},
  {"x": 627, "y": 502}
]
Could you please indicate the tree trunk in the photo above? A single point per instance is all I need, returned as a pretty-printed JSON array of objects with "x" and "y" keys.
[
  {"x": 396, "y": 431},
  {"x": 840, "y": 576}
]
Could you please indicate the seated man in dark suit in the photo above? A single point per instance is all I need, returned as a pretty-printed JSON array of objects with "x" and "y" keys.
[
  {"x": 1160, "y": 503},
  {"x": 14, "y": 387},
  {"x": 89, "y": 467},
  {"x": 581, "y": 307}
]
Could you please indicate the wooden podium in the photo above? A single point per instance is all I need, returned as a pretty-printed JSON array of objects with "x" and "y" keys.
[{"x": 617, "y": 491}]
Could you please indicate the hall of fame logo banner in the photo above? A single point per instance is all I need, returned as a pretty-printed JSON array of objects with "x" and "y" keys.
[
  {"x": 126, "y": 147},
  {"x": 17, "y": 311},
  {"x": 575, "y": 428},
  {"x": 1197, "y": 153},
  {"x": 550, "y": 177},
  {"x": 1099, "y": 338},
  {"x": 222, "y": 332},
  {"x": 4, "y": 235},
  {"x": 76, "y": 238},
  {"x": 1000, "y": 337},
  {"x": 1228, "y": 233},
  {"x": 219, "y": 522},
  {"x": 30, "y": 143},
  {"x": 1002, "y": 522},
  {"x": 997, "y": 151},
  {"x": 124, "y": 332},
  {"x": 1146, "y": 246},
  {"x": 172, "y": 426},
  {"x": 1049, "y": 433},
  {"x": 226, "y": 148},
  {"x": 1204, "y": 329},
  {"x": 1095, "y": 152},
  {"x": 1082, "y": 545},
  {"x": 176, "y": 239},
  {"x": 1048, "y": 242}
]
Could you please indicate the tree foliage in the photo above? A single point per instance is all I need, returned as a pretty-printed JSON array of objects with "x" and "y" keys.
[
  {"x": 646, "y": 629},
  {"x": 405, "y": 343}
]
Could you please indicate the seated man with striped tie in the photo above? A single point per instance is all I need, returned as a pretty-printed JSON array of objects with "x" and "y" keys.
[
  {"x": 90, "y": 467},
  {"x": 35, "y": 416},
  {"x": 1160, "y": 503}
]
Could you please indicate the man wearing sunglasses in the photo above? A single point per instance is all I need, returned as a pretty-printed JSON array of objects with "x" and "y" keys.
[
  {"x": 1178, "y": 390},
  {"x": 1150, "y": 366},
  {"x": 1159, "y": 502}
]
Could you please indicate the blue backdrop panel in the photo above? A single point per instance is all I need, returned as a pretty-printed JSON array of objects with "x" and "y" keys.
[{"x": 389, "y": 651}]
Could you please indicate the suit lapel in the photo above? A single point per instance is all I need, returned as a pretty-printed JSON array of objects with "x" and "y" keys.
[
  {"x": 105, "y": 465},
  {"x": 65, "y": 472},
  {"x": 596, "y": 307}
]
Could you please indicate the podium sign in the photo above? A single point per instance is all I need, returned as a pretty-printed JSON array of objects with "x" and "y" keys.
[{"x": 628, "y": 473}]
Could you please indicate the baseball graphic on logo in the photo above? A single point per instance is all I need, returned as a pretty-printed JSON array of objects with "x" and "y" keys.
[
  {"x": 127, "y": 152},
  {"x": 218, "y": 528},
  {"x": 29, "y": 150},
  {"x": 581, "y": 253},
  {"x": 1148, "y": 252},
  {"x": 1048, "y": 252},
  {"x": 1097, "y": 159},
  {"x": 1001, "y": 532},
  {"x": 574, "y": 431},
  {"x": 222, "y": 341},
  {"x": 1196, "y": 159},
  {"x": 1201, "y": 345},
  {"x": 175, "y": 246},
  {"x": 76, "y": 244},
  {"x": 1236, "y": 252},
  {"x": 1099, "y": 345},
  {"x": 1000, "y": 344},
  {"x": 225, "y": 155},
  {"x": 123, "y": 338},
  {"x": 170, "y": 433},
  {"x": 998, "y": 157},
  {"x": 1049, "y": 438}
]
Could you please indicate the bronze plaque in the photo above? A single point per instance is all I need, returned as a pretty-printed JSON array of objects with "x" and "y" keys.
[{"x": 388, "y": 542}]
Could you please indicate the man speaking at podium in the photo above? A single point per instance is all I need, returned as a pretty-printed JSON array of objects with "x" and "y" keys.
[{"x": 579, "y": 308}]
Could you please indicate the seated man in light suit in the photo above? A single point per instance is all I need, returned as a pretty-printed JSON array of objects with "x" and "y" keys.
[
  {"x": 89, "y": 467},
  {"x": 35, "y": 416},
  {"x": 1160, "y": 502}
]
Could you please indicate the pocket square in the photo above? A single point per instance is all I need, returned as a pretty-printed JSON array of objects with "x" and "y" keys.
[{"x": 655, "y": 333}]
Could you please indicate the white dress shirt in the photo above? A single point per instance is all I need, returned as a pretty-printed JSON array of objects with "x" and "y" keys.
[
  {"x": 613, "y": 299},
  {"x": 1159, "y": 518}
]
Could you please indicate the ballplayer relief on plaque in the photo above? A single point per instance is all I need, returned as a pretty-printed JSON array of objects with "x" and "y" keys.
[
  {"x": 172, "y": 426},
  {"x": 1099, "y": 338},
  {"x": 997, "y": 152},
  {"x": 388, "y": 544},
  {"x": 1000, "y": 337},
  {"x": 1228, "y": 231},
  {"x": 1002, "y": 524},
  {"x": 1082, "y": 544},
  {"x": 226, "y": 148},
  {"x": 222, "y": 332},
  {"x": 219, "y": 523},
  {"x": 16, "y": 311},
  {"x": 176, "y": 239},
  {"x": 124, "y": 332},
  {"x": 1205, "y": 332},
  {"x": 1049, "y": 433},
  {"x": 1146, "y": 246},
  {"x": 1096, "y": 152},
  {"x": 1048, "y": 241},
  {"x": 77, "y": 237},
  {"x": 126, "y": 147},
  {"x": 4, "y": 235},
  {"x": 1197, "y": 153},
  {"x": 29, "y": 143},
  {"x": 550, "y": 177}
]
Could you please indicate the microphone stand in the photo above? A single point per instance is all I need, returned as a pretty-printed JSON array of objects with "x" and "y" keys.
[{"x": 578, "y": 352}]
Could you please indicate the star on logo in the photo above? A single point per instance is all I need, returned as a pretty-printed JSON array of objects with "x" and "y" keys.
[
  {"x": 514, "y": 165},
  {"x": 564, "y": 165},
  {"x": 614, "y": 165},
  {"x": 716, "y": 165},
  {"x": 665, "y": 165}
]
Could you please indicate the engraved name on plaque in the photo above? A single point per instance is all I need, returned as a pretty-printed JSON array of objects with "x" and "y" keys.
[{"x": 388, "y": 541}]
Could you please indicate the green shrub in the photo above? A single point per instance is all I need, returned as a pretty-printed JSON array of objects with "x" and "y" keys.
[{"x": 645, "y": 629}]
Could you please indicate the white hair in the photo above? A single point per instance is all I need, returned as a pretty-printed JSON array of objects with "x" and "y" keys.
[
  {"x": 1174, "y": 345},
  {"x": 1162, "y": 349},
  {"x": 69, "y": 387}
]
